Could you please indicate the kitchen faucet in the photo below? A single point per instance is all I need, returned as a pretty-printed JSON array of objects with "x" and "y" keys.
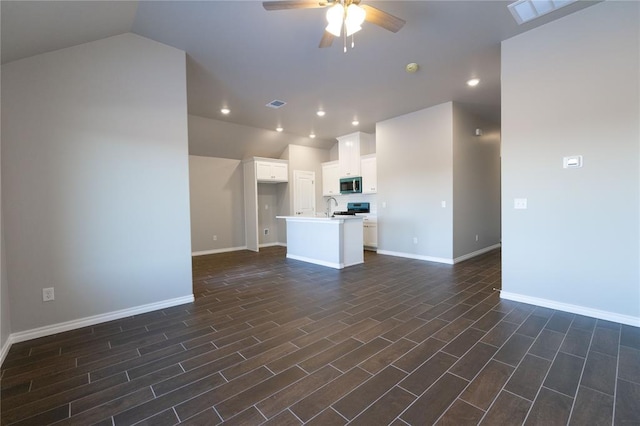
[{"x": 328, "y": 213}]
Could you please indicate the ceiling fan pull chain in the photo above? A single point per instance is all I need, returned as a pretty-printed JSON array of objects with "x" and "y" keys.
[{"x": 345, "y": 37}]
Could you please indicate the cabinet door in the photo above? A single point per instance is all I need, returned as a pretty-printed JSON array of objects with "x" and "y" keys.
[
  {"x": 279, "y": 172},
  {"x": 263, "y": 170},
  {"x": 369, "y": 176},
  {"x": 370, "y": 234},
  {"x": 330, "y": 179},
  {"x": 349, "y": 156},
  {"x": 271, "y": 172}
]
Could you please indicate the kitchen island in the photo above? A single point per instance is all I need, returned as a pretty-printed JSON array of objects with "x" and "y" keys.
[{"x": 335, "y": 242}]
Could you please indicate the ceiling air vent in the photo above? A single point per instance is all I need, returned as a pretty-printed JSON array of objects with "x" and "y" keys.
[
  {"x": 526, "y": 10},
  {"x": 276, "y": 104}
]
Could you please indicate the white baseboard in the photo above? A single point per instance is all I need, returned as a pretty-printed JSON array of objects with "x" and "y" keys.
[
  {"x": 216, "y": 251},
  {"x": 5, "y": 349},
  {"x": 316, "y": 261},
  {"x": 574, "y": 309},
  {"x": 228, "y": 249},
  {"x": 416, "y": 256},
  {"x": 271, "y": 245},
  {"x": 439, "y": 259},
  {"x": 476, "y": 253},
  {"x": 48, "y": 330}
]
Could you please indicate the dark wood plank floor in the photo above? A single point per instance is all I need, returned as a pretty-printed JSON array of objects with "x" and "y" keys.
[{"x": 281, "y": 342}]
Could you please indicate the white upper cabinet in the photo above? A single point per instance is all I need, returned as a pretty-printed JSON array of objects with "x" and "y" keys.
[
  {"x": 369, "y": 174},
  {"x": 272, "y": 171},
  {"x": 349, "y": 153},
  {"x": 330, "y": 179}
]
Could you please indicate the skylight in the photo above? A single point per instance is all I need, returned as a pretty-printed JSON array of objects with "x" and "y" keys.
[{"x": 526, "y": 10}]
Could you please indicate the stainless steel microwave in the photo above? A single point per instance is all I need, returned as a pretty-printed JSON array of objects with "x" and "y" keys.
[{"x": 351, "y": 185}]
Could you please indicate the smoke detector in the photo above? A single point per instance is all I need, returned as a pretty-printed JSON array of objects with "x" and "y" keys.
[{"x": 411, "y": 68}]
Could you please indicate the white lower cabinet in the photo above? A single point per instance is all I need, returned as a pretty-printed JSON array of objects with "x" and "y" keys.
[{"x": 370, "y": 234}]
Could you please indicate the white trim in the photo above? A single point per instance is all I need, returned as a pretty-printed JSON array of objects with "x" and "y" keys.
[
  {"x": 574, "y": 309},
  {"x": 439, "y": 259},
  {"x": 476, "y": 253},
  {"x": 5, "y": 349},
  {"x": 96, "y": 319},
  {"x": 416, "y": 256},
  {"x": 316, "y": 261},
  {"x": 215, "y": 251},
  {"x": 271, "y": 245}
]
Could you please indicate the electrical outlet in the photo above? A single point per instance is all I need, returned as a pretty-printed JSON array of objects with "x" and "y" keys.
[
  {"x": 266, "y": 231},
  {"x": 215, "y": 238},
  {"x": 47, "y": 294},
  {"x": 520, "y": 203}
]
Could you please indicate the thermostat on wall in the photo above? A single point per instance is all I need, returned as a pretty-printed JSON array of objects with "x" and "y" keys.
[{"x": 572, "y": 162}]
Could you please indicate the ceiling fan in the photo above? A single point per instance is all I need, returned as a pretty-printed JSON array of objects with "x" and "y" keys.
[{"x": 349, "y": 14}]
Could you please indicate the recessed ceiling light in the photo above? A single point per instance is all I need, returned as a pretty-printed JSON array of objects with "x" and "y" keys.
[
  {"x": 320, "y": 113},
  {"x": 312, "y": 135},
  {"x": 225, "y": 111},
  {"x": 279, "y": 129},
  {"x": 355, "y": 122},
  {"x": 473, "y": 82}
]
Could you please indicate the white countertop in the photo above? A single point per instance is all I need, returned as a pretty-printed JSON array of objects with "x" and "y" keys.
[{"x": 321, "y": 218}]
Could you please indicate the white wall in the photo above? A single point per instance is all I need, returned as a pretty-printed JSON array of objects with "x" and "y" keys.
[
  {"x": 415, "y": 173},
  {"x": 95, "y": 180},
  {"x": 476, "y": 183},
  {"x": 217, "y": 203},
  {"x": 428, "y": 158},
  {"x": 571, "y": 87}
]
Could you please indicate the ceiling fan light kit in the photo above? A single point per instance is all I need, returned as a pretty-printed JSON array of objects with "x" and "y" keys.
[
  {"x": 335, "y": 15},
  {"x": 349, "y": 14},
  {"x": 354, "y": 17}
]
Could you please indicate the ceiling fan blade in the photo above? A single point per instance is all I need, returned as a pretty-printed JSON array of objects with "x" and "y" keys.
[
  {"x": 326, "y": 40},
  {"x": 383, "y": 19},
  {"x": 293, "y": 4}
]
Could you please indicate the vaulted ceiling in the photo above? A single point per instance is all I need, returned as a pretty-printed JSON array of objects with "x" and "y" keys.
[{"x": 241, "y": 56}]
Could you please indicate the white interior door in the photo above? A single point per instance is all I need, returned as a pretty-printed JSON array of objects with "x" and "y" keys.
[{"x": 304, "y": 193}]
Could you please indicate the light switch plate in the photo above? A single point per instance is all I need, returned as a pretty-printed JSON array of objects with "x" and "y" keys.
[{"x": 520, "y": 203}]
